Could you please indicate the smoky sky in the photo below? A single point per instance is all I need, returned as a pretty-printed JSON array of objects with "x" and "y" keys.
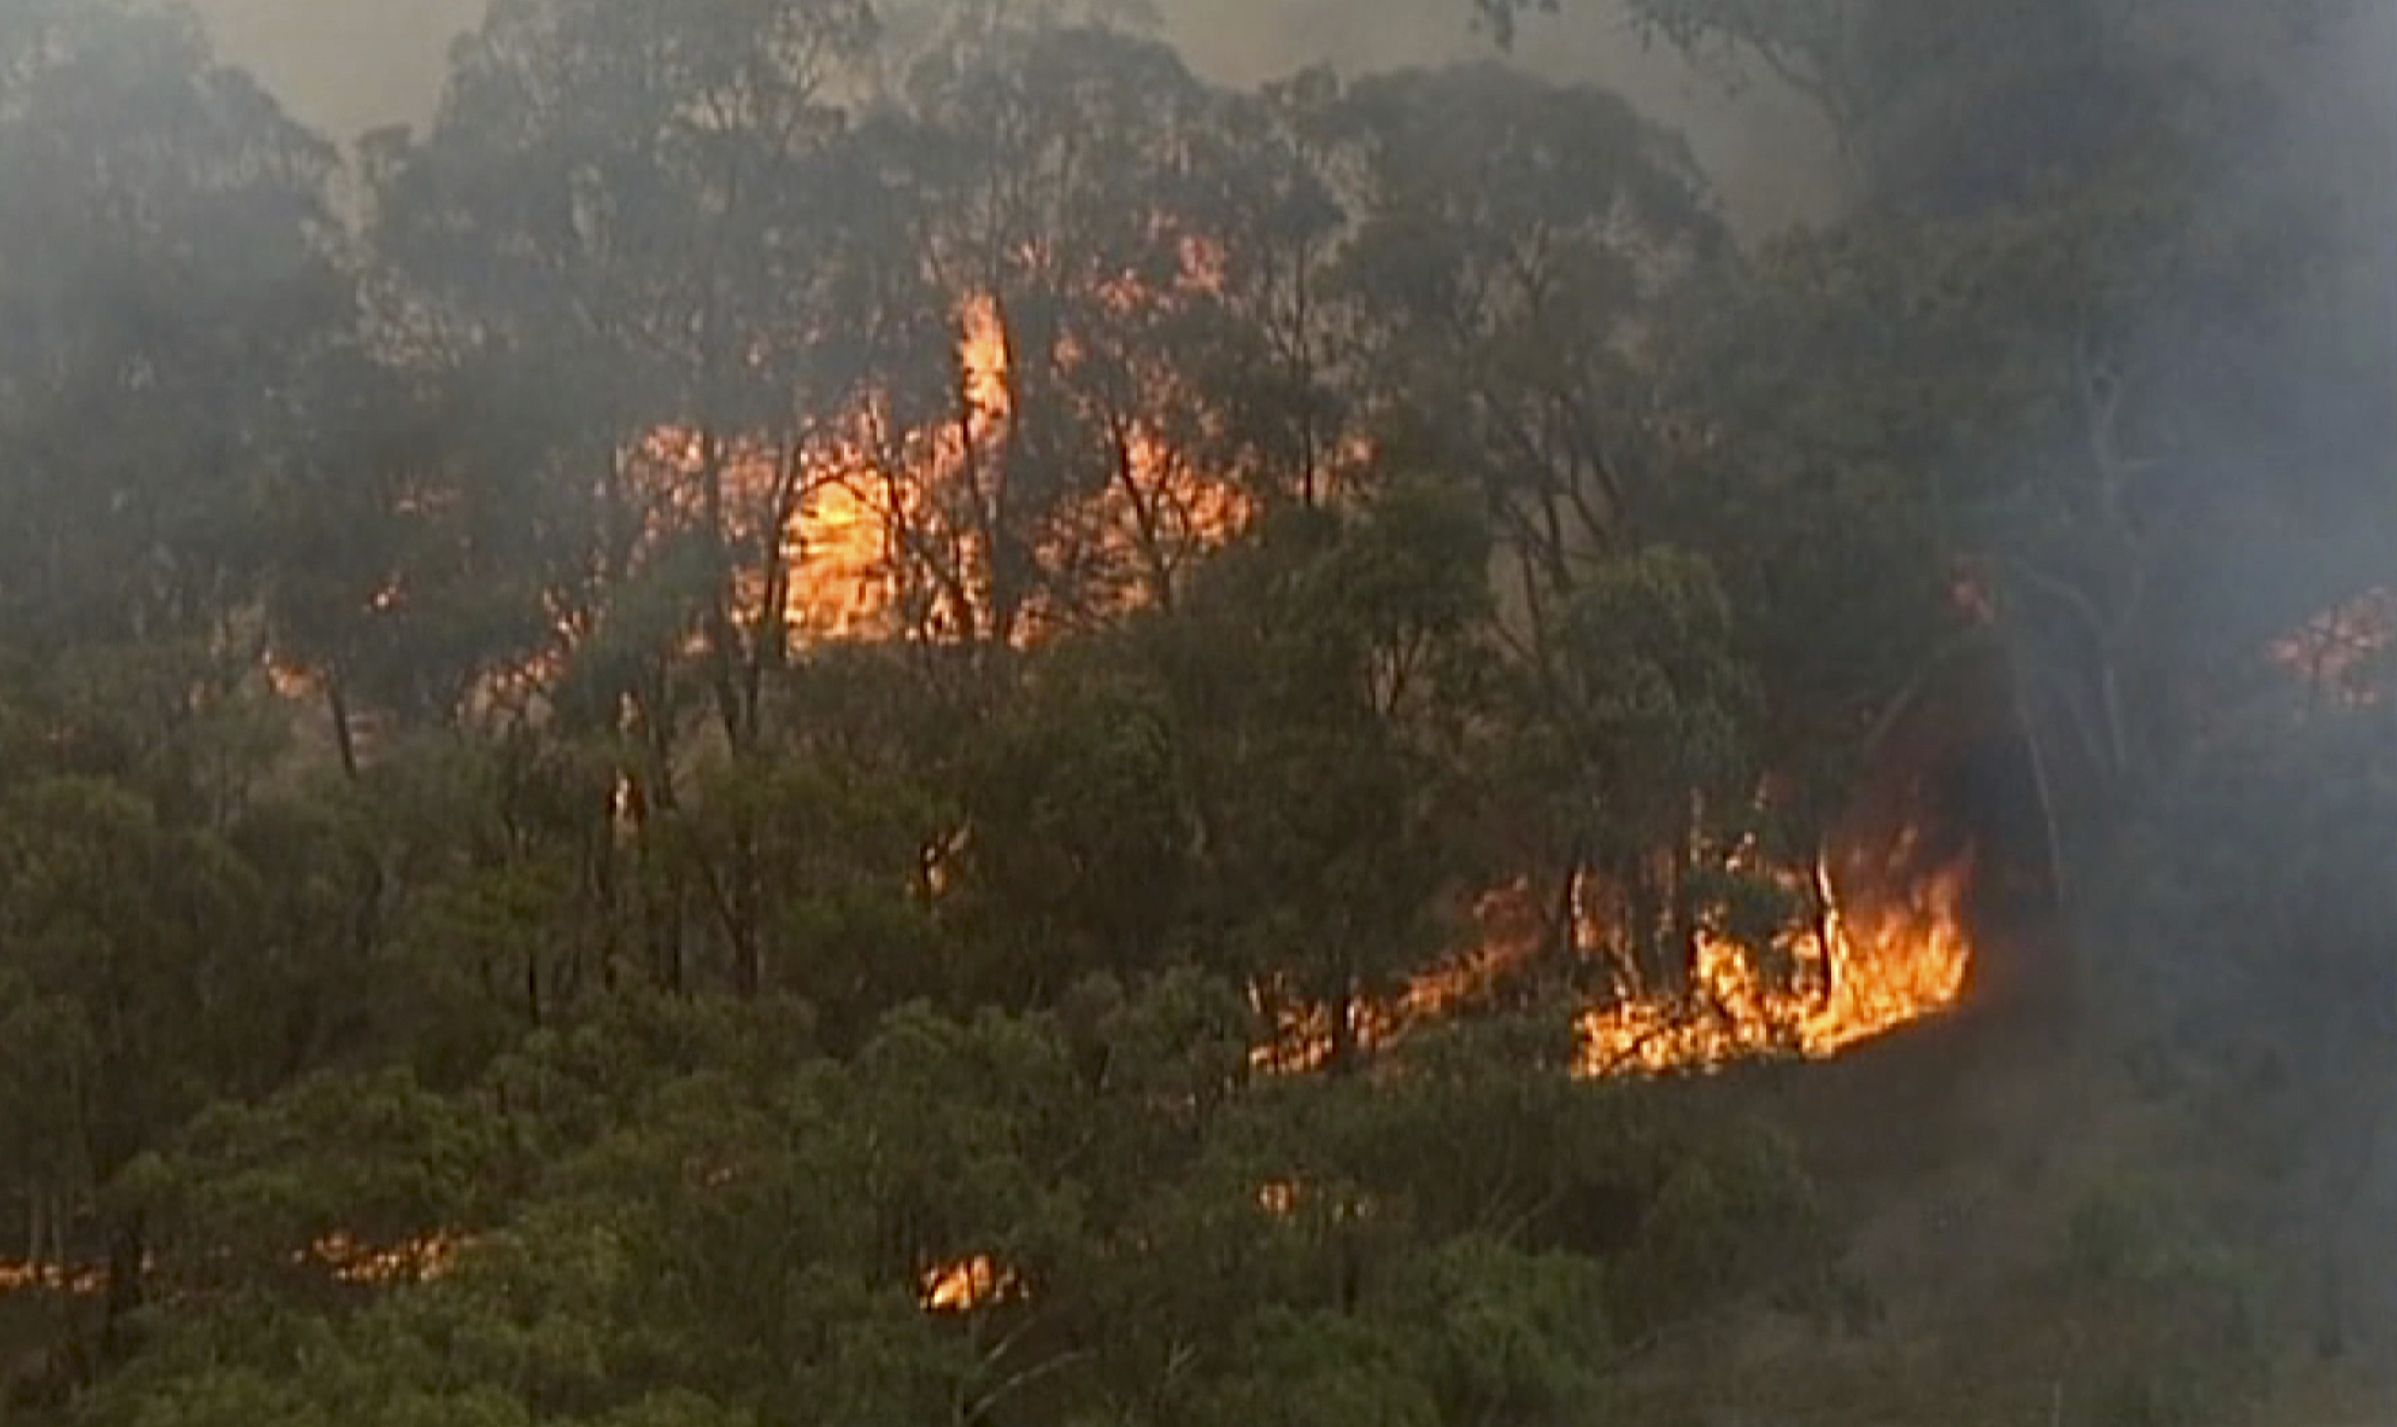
[
  {"x": 1771, "y": 157},
  {"x": 347, "y": 66},
  {"x": 343, "y": 66}
]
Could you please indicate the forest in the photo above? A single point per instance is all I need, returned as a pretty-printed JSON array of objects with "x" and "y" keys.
[{"x": 879, "y": 712}]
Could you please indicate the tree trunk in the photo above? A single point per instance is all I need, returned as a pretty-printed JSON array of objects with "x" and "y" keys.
[
  {"x": 58, "y": 1231},
  {"x": 128, "y": 1252},
  {"x": 1641, "y": 915},
  {"x": 1824, "y": 898},
  {"x": 747, "y": 943},
  {"x": 1344, "y": 1027},
  {"x": 2043, "y": 786},
  {"x": 345, "y": 737},
  {"x": 1564, "y": 929},
  {"x": 1683, "y": 906}
]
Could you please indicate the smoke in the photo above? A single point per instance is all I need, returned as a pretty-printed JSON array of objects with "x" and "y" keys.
[
  {"x": 347, "y": 66},
  {"x": 1770, "y": 155},
  {"x": 343, "y": 67}
]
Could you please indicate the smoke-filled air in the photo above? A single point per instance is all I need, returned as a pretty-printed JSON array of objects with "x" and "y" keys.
[{"x": 1198, "y": 713}]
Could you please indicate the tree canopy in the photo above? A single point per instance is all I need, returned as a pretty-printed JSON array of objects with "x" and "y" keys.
[{"x": 893, "y": 714}]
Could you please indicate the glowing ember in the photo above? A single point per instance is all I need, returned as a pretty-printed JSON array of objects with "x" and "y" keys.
[
  {"x": 368, "y": 1265},
  {"x": 2342, "y": 653},
  {"x": 967, "y": 1284},
  {"x": 1301, "y": 1039},
  {"x": 80, "y": 1280},
  {"x": 291, "y": 681}
]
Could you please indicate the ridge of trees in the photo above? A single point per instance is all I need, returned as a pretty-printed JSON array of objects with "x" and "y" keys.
[{"x": 429, "y": 820}]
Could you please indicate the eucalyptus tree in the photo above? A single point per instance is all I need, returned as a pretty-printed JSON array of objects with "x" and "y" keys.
[
  {"x": 1513, "y": 249},
  {"x": 1075, "y": 195},
  {"x": 1517, "y": 257},
  {"x": 640, "y": 223},
  {"x": 682, "y": 1212},
  {"x": 647, "y": 204},
  {"x": 172, "y": 296},
  {"x": 169, "y": 284}
]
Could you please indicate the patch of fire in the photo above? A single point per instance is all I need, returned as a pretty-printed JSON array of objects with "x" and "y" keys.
[
  {"x": 967, "y": 1284},
  {"x": 1956, "y": 783},
  {"x": 1930, "y": 899}
]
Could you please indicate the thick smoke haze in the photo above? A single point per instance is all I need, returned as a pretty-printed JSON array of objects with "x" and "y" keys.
[
  {"x": 1771, "y": 158},
  {"x": 347, "y": 66},
  {"x": 343, "y": 66},
  {"x": 1023, "y": 716}
]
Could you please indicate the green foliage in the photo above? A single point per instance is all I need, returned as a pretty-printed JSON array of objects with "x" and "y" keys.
[
  {"x": 377, "y": 1160},
  {"x": 472, "y": 951},
  {"x": 2172, "y": 1304},
  {"x": 749, "y": 1239}
]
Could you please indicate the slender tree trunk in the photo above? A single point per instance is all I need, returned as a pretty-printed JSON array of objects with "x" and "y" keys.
[
  {"x": 2118, "y": 743},
  {"x": 652, "y": 897},
  {"x": 345, "y": 736},
  {"x": 603, "y": 888},
  {"x": 1565, "y": 922},
  {"x": 749, "y": 959},
  {"x": 2043, "y": 786},
  {"x": 128, "y": 1252},
  {"x": 1684, "y": 903},
  {"x": 1344, "y": 1026},
  {"x": 1820, "y": 892},
  {"x": 1641, "y": 914},
  {"x": 723, "y": 636},
  {"x": 58, "y": 1231}
]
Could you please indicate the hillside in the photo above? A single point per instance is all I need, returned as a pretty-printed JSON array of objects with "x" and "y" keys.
[{"x": 872, "y": 712}]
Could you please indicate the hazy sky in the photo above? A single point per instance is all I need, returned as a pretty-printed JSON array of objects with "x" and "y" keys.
[
  {"x": 343, "y": 66},
  {"x": 346, "y": 66}
]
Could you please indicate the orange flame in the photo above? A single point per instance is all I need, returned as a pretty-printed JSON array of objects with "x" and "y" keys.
[
  {"x": 881, "y": 500},
  {"x": 80, "y": 1280},
  {"x": 368, "y": 1265},
  {"x": 1880, "y": 964},
  {"x": 967, "y": 1284},
  {"x": 844, "y": 536},
  {"x": 1902, "y": 963}
]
